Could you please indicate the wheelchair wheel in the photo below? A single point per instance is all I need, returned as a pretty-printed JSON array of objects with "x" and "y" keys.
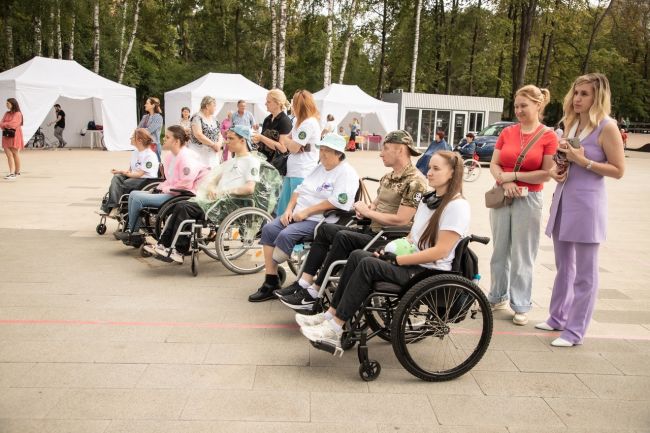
[
  {"x": 164, "y": 213},
  {"x": 195, "y": 263},
  {"x": 370, "y": 370},
  {"x": 450, "y": 319},
  {"x": 101, "y": 229},
  {"x": 471, "y": 170},
  {"x": 238, "y": 238}
]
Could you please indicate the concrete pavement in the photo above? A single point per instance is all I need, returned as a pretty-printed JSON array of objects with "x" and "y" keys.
[{"x": 96, "y": 339}]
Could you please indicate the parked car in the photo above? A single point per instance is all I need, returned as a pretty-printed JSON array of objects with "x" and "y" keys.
[{"x": 486, "y": 139}]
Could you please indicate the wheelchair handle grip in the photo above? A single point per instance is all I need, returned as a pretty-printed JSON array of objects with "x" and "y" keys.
[{"x": 480, "y": 239}]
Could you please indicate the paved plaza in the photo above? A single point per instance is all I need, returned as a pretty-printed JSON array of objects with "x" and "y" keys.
[{"x": 96, "y": 339}]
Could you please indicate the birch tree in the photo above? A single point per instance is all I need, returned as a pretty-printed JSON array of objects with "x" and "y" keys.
[
  {"x": 38, "y": 37},
  {"x": 281, "y": 42},
  {"x": 125, "y": 60},
  {"x": 59, "y": 44},
  {"x": 348, "y": 40},
  {"x": 96, "y": 38},
  {"x": 327, "y": 73},
  {"x": 123, "y": 32},
  {"x": 50, "y": 40},
  {"x": 416, "y": 42},
  {"x": 72, "y": 25},
  {"x": 274, "y": 44},
  {"x": 472, "y": 55},
  {"x": 9, "y": 35}
]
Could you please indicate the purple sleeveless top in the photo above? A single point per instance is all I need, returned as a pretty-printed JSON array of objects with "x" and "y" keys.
[{"x": 582, "y": 199}]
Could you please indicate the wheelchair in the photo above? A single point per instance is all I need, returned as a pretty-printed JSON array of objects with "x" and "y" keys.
[
  {"x": 439, "y": 323},
  {"x": 122, "y": 207},
  {"x": 233, "y": 239},
  {"x": 471, "y": 165}
]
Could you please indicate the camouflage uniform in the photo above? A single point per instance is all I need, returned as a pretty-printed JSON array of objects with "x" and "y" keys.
[{"x": 395, "y": 190}]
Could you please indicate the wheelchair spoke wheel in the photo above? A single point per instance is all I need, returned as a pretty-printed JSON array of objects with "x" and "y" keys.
[
  {"x": 450, "y": 319},
  {"x": 471, "y": 170},
  {"x": 238, "y": 240}
]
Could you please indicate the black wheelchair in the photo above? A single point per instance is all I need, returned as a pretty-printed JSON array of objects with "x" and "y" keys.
[
  {"x": 439, "y": 323},
  {"x": 122, "y": 206}
]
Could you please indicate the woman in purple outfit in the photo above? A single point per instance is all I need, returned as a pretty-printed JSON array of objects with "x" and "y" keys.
[{"x": 579, "y": 209}]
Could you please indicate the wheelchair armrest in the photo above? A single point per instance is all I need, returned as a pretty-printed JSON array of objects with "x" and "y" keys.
[
  {"x": 244, "y": 201},
  {"x": 371, "y": 179},
  {"x": 338, "y": 212},
  {"x": 396, "y": 229},
  {"x": 480, "y": 239},
  {"x": 363, "y": 221},
  {"x": 182, "y": 192}
]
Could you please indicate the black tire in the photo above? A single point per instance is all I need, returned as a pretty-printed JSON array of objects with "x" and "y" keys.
[
  {"x": 471, "y": 170},
  {"x": 451, "y": 304},
  {"x": 195, "y": 263},
  {"x": 370, "y": 370},
  {"x": 101, "y": 229},
  {"x": 231, "y": 249},
  {"x": 164, "y": 212}
]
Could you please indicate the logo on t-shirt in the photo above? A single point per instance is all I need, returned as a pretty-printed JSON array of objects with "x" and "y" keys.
[
  {"x": 327, "y": 186},
  {"x": 343, "y": 198},
  {"x": 417, "y": 197},
  {"x": 254, "y": 171},
  {"x": 186, "y": 171},
  {"x": 302, "y": 135},
  {"x": 149, "y": 164}
]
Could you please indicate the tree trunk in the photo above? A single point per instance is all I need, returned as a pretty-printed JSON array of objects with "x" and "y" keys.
[
  {"x": 96, "y": 38},
  {"x": 122, "y": 33},
  {"x": 9, "y": 36},
  {"x": 502, "y": 57},
  {"x": 71, "y": 48},
  {"x": 439, "y": 19},
  {"x": 38, "y": 36},
  {"x": 50, "y": 42},
  {"x": 382, "y": 57},
  {"x": 448, "y": 49},
  {"x": 594, "y": 30},
  {"x": 131, "y": 41},
  {"x": 473, "y": 51},
  {"x": 348, "y": 40},
  {"x": 527, "y": 15},
  {"x": 281, "y": 42},
  {"x": 539, "y": 60},
  {"x": 274, "y": 45},
  {"x": 416, "y": 43},
  {"x": 513, "y": 60},
  {"x": 549, "y": 48},
  {"x": 59, "y": 43},
  {"x": 237, "y": 37},
  {"x": 327, "y": 73}
]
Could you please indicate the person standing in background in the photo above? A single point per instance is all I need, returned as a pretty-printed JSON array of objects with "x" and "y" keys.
[
  {"x": 205, "y": 135},
  {"x": 12, "y": 137},
  {"x": 578, "y": 220},
  {"x": 185, "y": 119},
  {"x": 243, "y": 117},
  {"x": 225, "y": 126},
  {"x": 153, "y": 121},
  {"x": 59, "y": 125}
]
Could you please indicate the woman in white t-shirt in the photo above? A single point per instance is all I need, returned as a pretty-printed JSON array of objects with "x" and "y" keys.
[
  {"x": 441, "y": 220},
  {"x": 301, "y": 144},
  {"x": 144, "y": 165},
  {"x": 332, "y": 185}
]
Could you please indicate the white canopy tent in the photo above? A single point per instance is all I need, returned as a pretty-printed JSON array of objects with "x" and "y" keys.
[
  {"x": 345, "y": 102},
  {"x": 83, "y": 95},
  {"x": 227, "y": 89}
]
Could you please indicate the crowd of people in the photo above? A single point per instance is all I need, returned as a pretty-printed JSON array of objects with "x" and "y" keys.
[{"x": 213, "y": 160}]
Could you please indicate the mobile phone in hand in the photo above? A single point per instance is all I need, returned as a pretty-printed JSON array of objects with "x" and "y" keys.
[
  {"x": 574, "y": 142},
  {"x": 523, "y": 191}
]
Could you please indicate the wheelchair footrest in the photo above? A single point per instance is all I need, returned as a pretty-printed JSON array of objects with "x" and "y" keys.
[{"x": 328, "y": 347}]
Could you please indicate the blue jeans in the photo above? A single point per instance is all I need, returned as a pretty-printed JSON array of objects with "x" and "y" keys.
[
  {"x": 285, "y": 238},
  {"x": 140, "y": 199}
]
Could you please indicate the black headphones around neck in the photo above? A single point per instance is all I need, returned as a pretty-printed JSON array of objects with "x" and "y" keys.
[{"x": 432, "y": 200}]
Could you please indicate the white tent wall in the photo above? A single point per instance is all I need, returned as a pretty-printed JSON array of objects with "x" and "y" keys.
[
  {"x": 369, "y": 123},
  {"x": 78, "y": 112}
]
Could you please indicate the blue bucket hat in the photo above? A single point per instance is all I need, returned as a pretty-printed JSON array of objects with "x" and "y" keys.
[
  {"x": 333, "y": 141},
  {"x": 244, "y": 132}
]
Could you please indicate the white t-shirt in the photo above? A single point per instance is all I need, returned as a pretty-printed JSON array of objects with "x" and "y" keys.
[
  {"x": 235, "y": 173},
  {"x": 303, "y": 163},
  {"x": 329, "y": 127},
  {"x": 146, "y": 161},
  {"x": 455, "y": 218},
  {"x": 338, "y": 186}
]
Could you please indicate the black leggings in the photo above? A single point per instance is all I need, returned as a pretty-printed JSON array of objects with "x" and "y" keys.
[{"x": 184, "y": 210}]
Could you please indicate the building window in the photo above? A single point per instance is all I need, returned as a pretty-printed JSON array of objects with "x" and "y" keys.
[
  {"x": 412, "y": 122},
  {"x": 442, "y": 121},
  {"x": 427, "y": 127},
  {"x": 475, "y": 122}
]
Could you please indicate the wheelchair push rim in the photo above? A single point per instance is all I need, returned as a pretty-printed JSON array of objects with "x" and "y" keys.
[
  {"x": 442, "y": 328},
  {"x": 237, "y": 241}
]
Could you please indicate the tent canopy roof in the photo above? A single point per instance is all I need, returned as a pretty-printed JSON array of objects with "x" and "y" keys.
[
  {"x": 358, "y": 100},
  {"x": 229, "y": 87}
]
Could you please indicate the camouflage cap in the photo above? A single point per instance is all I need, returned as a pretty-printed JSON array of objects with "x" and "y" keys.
[{"x": 402, "y": 137}]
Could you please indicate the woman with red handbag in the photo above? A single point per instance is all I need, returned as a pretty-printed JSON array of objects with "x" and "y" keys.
[{"x": 12, "y": 137}]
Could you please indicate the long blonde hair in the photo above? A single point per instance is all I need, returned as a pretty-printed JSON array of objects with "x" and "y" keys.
[
  {"x": 535, "y": 94},
  {"x": 600, "y": 108},
  {"x": 304, "y": 106}
]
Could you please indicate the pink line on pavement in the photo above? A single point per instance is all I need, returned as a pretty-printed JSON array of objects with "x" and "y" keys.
[{"x": 214, "y": 325}]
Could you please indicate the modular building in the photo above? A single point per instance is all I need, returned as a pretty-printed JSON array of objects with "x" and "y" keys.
[{"x": 422, "y": 114}]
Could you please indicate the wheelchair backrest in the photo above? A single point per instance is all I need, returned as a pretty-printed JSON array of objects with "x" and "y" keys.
[
  {"x": 267, "y": 190},
  {"x": 465, "y": 261}
]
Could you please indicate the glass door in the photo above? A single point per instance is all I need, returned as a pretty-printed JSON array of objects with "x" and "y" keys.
[{"x": 459, "y": 129}]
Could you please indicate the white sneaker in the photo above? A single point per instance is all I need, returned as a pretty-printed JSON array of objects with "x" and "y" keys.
[
  {"x": 150, "y": 240},
  {"x": 314, "y": 320},
  {"x": 176, "y": 256},
  {"x": 545, "y": 327},
  {"x": 324, "y": 332},
  {"x": 520, "y": 319},
  {"x": 156, "y": 250},
  {"x": 10, "y": 177},
  {"x": 561, "y": 342},
  {"x": 500, "y": 305}
]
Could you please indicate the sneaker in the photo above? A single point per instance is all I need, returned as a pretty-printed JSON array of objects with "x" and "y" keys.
[
  {"x": 500, "y": 305},
  {"x": 122, "y": 235},
  {"x": 520, "y": 319},
  {"x": 301, "y": 300},
  {"x": 177, "y": 257},
  {"x": 545, "y": 327},
  {"x": 323, "y": 332},
  {"x": 264, "y": 293},
  {"x": 289, "y": 290},
  {"x": 156, "y": 250},
  {"x": 150, "y": 240},
  {"x": 113, "y": 213},
  {"x": 10, "y": 177},
  {"x": 561, "y": 342},
  {"x": 303, "y": 320}
]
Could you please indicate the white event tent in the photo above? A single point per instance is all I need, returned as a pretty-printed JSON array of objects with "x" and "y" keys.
[
  {"x": 227, "y": 89},
  {"x": 83, "y": 95},
  {"x": 345, "y": 102}
]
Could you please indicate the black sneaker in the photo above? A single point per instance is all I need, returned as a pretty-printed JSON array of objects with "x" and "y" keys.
[
  {"x": 264, "y": 293},
  {"x": 122, "y": 235},
  {"x": 289, "y": 290},
  {"x": 301, "y": 300}
]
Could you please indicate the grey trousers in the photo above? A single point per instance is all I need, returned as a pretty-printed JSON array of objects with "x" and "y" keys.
[
  {"x": 58, "y": 133},
  {"x": 515, "y": 237},
  {"x": 121, "y": 184}
]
